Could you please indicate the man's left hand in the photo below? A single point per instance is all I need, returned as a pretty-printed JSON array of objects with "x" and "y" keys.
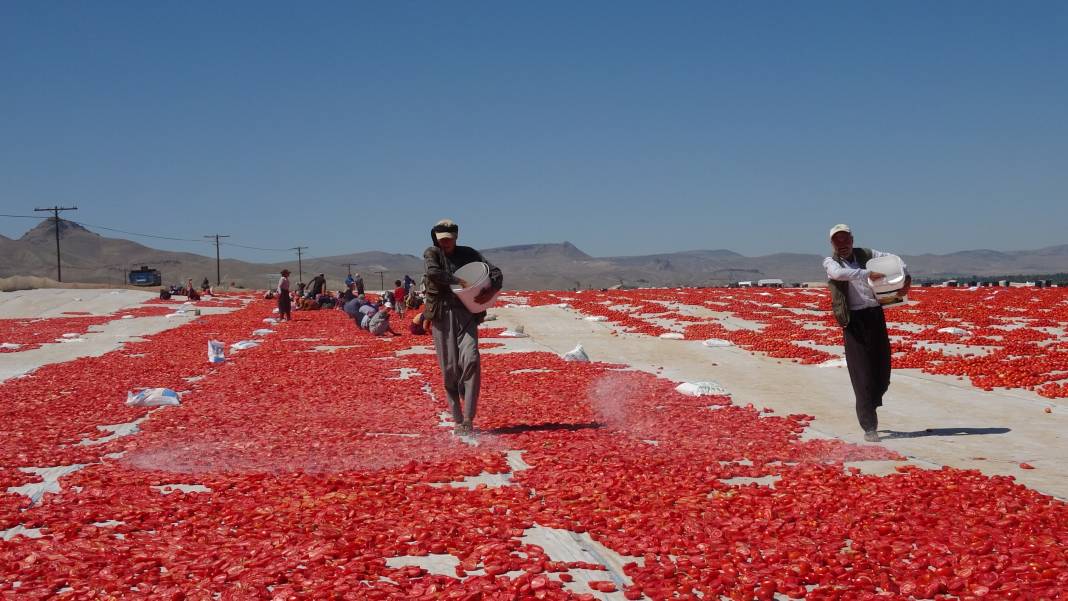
[{"x": 484, "y": 296}]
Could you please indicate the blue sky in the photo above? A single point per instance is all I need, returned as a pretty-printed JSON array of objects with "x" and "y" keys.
[{"x": 625, "y": 128}]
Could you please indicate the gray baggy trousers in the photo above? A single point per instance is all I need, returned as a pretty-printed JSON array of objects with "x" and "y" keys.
[
  {"x": 867, "y": 350},
  {"x": 456, "y": 343}
]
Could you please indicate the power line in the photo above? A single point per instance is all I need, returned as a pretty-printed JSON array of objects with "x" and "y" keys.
[
  {"x": 111, "y": 229},
  {"x": 211, "y": 239},
  {"x": 143, "y": 235},
  {"x": 256, "y": 247}
]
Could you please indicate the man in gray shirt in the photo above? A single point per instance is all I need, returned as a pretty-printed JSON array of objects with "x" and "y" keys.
[{"x": 858, "y": 311}]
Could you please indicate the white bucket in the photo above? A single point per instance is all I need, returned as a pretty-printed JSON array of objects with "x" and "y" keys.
[
  {"x": 886, "y": 288},
  {"x": 477, "y": 277}
]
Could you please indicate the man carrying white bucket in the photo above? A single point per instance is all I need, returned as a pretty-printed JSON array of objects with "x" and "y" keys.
[
  {"x": 859, "y": 310},
  {"x": 454, "y": 319}
]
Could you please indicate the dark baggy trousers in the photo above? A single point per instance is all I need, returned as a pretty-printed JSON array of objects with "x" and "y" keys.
[
  {"x": 867, "y": 350},
  {"x": 456, "y": 344},
  {"x": 284, "y": 309}
]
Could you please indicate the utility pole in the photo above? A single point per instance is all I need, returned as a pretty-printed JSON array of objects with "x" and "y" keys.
[
  {"x": 55, "y": 211},
  {"x": 349, "y": 266},
  {"x": 218, "y": 271},
  {"x": 300, "y": 267},
  {"x": 381, "y": 280}
]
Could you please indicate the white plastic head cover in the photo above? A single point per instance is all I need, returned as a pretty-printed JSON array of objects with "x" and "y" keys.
[
  {"x": 841, "y": 227},
  {"x": 446, "y": 228}
]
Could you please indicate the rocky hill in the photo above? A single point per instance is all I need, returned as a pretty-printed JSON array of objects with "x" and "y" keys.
[{"x": 90, "y": 257}]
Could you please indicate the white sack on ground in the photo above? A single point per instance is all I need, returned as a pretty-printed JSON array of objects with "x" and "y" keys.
[
  {"x": 955, "y": 331},
  {"x": 597, "y": 318},
  {"x": 244, "y": 344},
  {"x": 215, "y": 351},
  {"x": 714, "y": 342},
  {"x": 701, "y": 389},
  {"x": 153, "y": 397},
  {"x": 262, "y": 332},
  {"x": 576, "y": 354},
  {"x": 672, "y": 336}
]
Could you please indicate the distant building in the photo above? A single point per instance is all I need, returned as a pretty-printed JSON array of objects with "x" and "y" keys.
[{"x": 770, "y": 283}]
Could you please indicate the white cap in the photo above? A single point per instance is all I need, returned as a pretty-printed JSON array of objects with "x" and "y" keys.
[{"x": 841, "y": 227}]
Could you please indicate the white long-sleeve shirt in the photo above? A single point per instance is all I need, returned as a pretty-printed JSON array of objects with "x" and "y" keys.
[{"x": 860, "y": 295}]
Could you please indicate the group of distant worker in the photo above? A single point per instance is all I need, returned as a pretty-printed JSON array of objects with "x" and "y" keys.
[
  {"x": 189, "y": 291},
  {"x": 370, "y": 314}
]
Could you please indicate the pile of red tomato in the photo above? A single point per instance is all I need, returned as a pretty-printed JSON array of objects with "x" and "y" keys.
[{"x": 312, "y": 458}]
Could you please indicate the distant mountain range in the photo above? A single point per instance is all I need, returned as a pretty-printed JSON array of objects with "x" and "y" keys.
[{"x": 92, "y": 258}]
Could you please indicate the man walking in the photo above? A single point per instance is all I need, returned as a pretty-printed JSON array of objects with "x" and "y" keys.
[
  {"x": 858, "y": 311},
  {"x": 455, "y": 328}
]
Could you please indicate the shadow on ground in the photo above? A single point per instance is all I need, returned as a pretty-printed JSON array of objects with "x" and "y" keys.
[
  {"x": 890, "y": 434},
  {"x": 549, "y": 427}
]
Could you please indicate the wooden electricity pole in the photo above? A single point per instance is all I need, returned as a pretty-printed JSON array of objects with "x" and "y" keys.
[
  {"x": 218, "y": 271},
  {"x": 55, "y": 212},
  {"x": 300, "y": 265}
]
